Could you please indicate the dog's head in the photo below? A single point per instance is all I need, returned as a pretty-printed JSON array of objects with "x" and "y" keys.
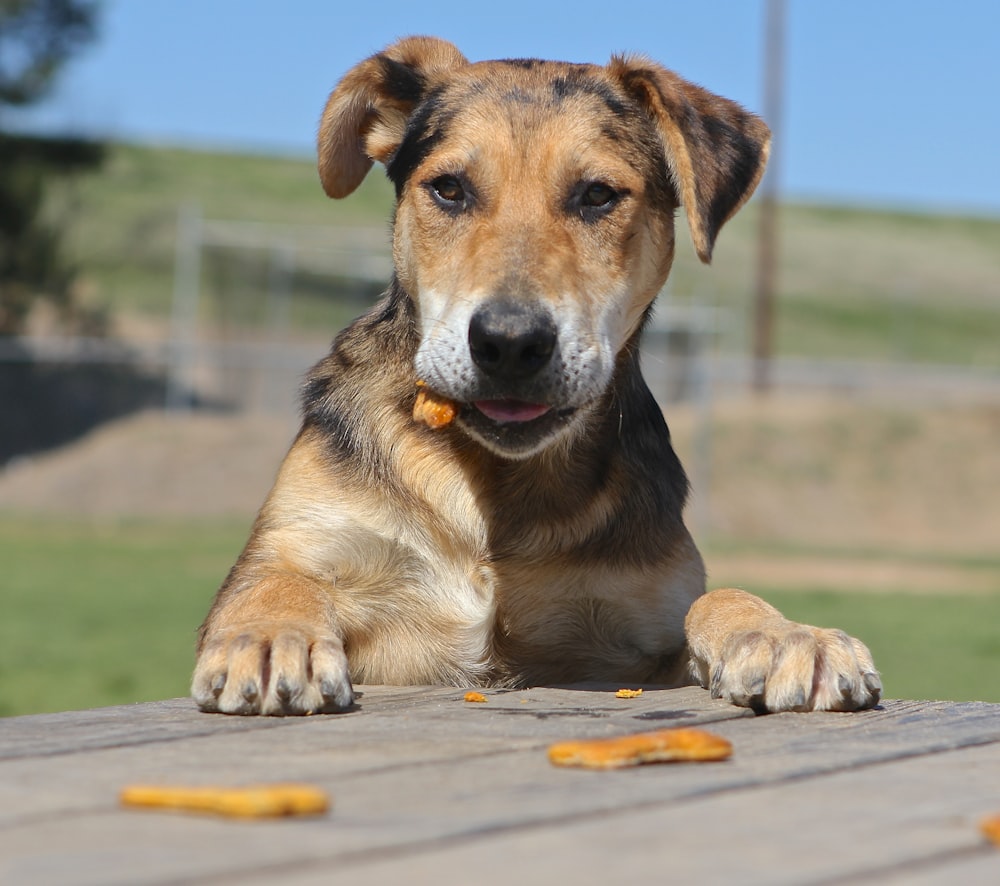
[{"x": 535, "y": 214}]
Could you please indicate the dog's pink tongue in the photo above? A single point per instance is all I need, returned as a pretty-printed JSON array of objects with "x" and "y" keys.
[{"x": 510, "y": 411}]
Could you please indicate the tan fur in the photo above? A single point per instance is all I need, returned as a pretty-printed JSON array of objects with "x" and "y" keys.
[{"x": 533, "y": 230}]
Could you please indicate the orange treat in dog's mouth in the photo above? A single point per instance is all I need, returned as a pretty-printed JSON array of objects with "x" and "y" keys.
[{"x": 434, "y": 411}]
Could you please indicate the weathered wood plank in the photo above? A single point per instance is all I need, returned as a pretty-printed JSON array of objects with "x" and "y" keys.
[
  {"x": 74, "y": 731},
  {"x": 977, "y": 866},
  {"x": 908, "y": 816},
  {"x": 415, "y": 772},
  {"x": 393, "y": 730},
  {"x": 844, "y": 824}
]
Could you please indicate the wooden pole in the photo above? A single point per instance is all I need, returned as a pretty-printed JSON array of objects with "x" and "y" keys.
[{"x": 767, "y": 233}]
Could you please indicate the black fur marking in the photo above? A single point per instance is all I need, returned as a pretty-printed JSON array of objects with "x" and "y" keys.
[
  {"x": 337, "y": 387},
  {"x": 743, "y": 154},
  {"x": 339, "y": 430},
  {"x": 576, "y": 83},
  {"x": 401, "y": 81},
  {"x": 647, "y": 466},
  {"x": 527, "y": 63},
  {"x": 519, "y": 96},
  {"x": 426, "y": 127}
]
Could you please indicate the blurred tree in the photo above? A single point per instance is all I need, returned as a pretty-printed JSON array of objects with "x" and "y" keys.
[{"x": 36, "y": 38}]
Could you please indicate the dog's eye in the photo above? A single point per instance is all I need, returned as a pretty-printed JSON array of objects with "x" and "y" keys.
[
  {"x": 598, "y": 195},
  {"x": 448, "y": 191},
  {"x": 593, "y": 200}
]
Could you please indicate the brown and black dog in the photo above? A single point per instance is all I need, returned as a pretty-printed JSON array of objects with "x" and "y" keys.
[{"x": 537, "y": 537}]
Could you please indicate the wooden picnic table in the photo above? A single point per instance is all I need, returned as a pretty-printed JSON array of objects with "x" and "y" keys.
[{"x": 428, "y": 788}]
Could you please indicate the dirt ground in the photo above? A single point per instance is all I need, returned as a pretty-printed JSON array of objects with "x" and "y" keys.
[{"x": 795, "y": 491}]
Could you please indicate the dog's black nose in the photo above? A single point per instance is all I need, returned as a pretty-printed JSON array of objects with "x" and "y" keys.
[{"x": 509, "y": 339}]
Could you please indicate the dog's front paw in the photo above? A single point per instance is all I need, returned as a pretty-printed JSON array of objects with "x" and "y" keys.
[
  {"x": 795, "y": 668},
  {"x": 745, "y": 651},
  {"x": 272, "y": 668}
]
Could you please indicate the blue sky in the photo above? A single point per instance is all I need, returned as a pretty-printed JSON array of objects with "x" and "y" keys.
[{"x": 888, "y": 102}]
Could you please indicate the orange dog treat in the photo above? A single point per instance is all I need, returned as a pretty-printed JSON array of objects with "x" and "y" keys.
[
  {"x": 667, "y": 745},
  {"x": 434, "y": 411},
  {"x": 628, "y": 693},
  {"x": 991, "y": 828},
  {"x": 255, "y": 801},
  {"x": 476, "y": 697}
]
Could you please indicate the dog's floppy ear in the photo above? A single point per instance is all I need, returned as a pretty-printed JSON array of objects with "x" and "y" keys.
[
  {"x": 365, "y": 116},
  {"x": 715, "y": 150}
]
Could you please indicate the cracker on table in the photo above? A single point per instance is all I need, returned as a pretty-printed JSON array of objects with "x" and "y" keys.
[
  {"x": 665, "y": 745},
  {"x": 252, "y": 801}
]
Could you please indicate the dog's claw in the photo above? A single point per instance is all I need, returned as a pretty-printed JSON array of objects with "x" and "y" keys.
[
  {"x": 715, "y": 682},
  {"x": 283, "y": 690},
  {"x": 874, "y": 683},
  {"x": 337, "y": 694}
]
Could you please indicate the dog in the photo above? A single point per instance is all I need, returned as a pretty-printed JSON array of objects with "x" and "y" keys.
[{"x": 535, "y": 535}]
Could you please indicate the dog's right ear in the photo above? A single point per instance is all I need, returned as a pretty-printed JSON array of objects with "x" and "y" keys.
[{"x": 365, "y": 116}]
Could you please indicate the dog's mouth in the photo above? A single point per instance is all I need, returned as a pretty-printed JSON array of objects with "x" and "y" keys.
[
  {"x": 508, "y": 411},
  {"x": 514, "y": 428}
]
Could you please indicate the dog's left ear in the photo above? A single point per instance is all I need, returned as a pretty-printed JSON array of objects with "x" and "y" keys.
[
  {"x": 715, "y": 150},
  {"x": 365, "y": 117}
]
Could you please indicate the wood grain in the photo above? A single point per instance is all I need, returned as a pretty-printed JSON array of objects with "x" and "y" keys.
[{"x": 430, "y": 788}]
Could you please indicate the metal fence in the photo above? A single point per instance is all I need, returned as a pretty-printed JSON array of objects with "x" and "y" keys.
[{"x": 255, "y": 305}]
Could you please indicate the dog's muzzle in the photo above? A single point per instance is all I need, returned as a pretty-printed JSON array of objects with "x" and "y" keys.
[
  {"x": 514, "y": 347},
  {"x": 511, "y": 343}
]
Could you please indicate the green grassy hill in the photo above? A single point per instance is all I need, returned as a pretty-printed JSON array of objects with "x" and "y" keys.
[{"x": 853, "y": 283}]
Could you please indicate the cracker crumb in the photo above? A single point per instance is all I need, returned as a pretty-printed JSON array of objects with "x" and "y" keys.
[{"x": 990, "y": 828}]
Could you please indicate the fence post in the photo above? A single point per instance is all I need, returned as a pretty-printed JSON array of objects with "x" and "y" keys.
[
  {"x": 184, "y": 311},
  {"x": 281, "y": 271}
]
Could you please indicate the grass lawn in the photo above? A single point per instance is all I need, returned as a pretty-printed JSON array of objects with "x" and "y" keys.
[
  {"x": 99, "y": 615},
  {"x": 106, "y": 614}
]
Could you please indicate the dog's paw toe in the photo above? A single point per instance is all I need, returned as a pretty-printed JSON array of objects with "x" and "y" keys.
[
  {"x": 846, "y": 679},
  {"x": 273, "y": 670},
  {"x": 798, "y": 669}
]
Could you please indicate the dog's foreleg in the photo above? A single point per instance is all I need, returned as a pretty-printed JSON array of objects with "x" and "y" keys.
[{"x": 746, "y": 652}]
